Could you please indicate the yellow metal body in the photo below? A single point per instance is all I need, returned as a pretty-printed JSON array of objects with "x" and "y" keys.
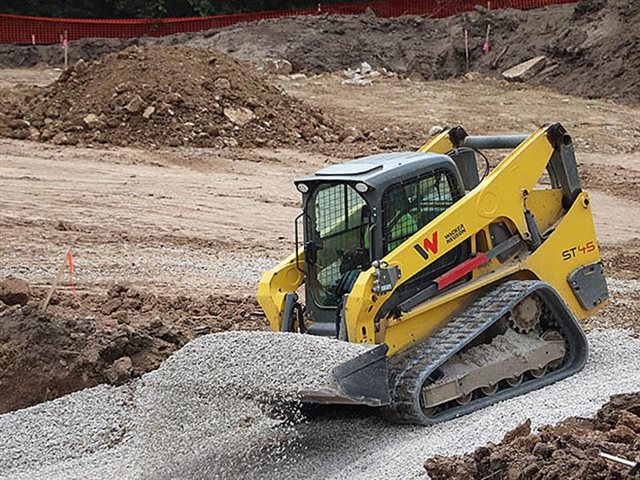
[{"x": 500, "y": 197}]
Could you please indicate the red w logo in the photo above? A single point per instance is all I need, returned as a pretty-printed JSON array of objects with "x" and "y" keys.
[{"x": 431, "y": 245}]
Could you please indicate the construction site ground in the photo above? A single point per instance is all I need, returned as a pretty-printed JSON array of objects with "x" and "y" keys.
[{"x": 168, "y": 243}]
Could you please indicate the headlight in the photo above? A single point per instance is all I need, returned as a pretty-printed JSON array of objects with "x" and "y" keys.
[
  {"x": 362, "y": 187},
  {"x": 302, "y": 188}
]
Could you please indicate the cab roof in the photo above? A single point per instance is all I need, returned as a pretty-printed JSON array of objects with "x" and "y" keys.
[{"x": 378, "y": 171}]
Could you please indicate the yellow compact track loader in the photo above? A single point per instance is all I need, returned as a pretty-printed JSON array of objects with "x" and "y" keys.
[{"x": 469, "y": 290}]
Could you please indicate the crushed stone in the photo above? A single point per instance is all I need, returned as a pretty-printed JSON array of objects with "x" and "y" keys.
[{"x": 198, "y": 416}]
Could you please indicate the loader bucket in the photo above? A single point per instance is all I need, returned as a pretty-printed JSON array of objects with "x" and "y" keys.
[{"x": 360, "y": 381}]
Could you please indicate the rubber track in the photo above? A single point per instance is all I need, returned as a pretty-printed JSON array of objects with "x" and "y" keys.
[{"x": 408, "y": 371}]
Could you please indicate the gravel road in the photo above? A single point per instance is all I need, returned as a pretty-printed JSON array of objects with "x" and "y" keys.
[{"x": 202, "y": 415}]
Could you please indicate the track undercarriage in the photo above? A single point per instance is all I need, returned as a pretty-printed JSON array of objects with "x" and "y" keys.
[{"x": 514, "y": 339}]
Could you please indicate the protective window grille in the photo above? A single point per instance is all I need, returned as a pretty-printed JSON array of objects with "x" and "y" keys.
[
  {"x": 410, "y": 205},
  {"x": 337, "y": 230}
]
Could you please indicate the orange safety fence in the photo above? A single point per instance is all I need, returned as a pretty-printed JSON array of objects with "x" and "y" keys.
[{"x": 41, "y": 30}]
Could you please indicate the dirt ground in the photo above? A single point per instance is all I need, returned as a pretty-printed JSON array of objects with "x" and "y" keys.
[{"x": 159, "y": 259}]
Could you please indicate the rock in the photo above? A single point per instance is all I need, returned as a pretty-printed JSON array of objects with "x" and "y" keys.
[
  {"x": 52, "y": 112},
  {"x": 46, "y": 134},
  {"x": 122, "y": 317},
  {"x": 120, "y": 371},
  {"x": 150, "y": 110},
  {"x": 443, "y": 468},
  {"x": 473, "y": 76},
  {"x": 111, "y": 306},
  {"x": 173, "y": 97},
  {"x": 357, "y": 81},
  {"x": 14, "y": 291},
  {"x": 122, "y": 87},
  {"x": 100, "y": 137},
  {"x": 20, "y": 134},
  {"x": 156, "y": 323},
  {"x": 222, "y": 83},
  {"x": 278, "y": 66},
  {"x": 34, "y": 134},
  {"x": 365, "y": 68},
  {"x": 525, "y": 70},
  {"x": 621, "y": 434},
  {"x": 63, "y": 139},
  {"x": 230, "y": 142},
  {"x": 113, "y": 122},
  {"x": 629, "y": 420},
  {"x": 80, "y": 66},
  {"x": 115, "y": 348},
  {"x": 18, "y": 124},
  {"x": 135, "y": 105},
  {"x": 521, "y": 430},
  {"x": 239, "y": 116},
  {"x": 131, "y": 304},
  {"x": 91, "y": 120},
  {"x": 435, "y": 130},
  {"x": 543, "y": 450}
]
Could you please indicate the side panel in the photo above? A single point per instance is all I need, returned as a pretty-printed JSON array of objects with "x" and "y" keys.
[{"x": 572, "y": 244}]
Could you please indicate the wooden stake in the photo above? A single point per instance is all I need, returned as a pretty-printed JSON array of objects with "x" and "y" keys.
[
  {"x": 33, "y": 39},
  {"x": 466, "y": 48},
  {"x": 66, "y": 49},
  {"x": 54, "y": 285}
]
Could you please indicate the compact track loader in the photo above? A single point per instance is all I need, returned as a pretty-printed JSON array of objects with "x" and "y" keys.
[{"x": 468, "y": 288}]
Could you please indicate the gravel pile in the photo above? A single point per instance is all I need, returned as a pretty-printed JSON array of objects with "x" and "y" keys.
[
  {"x": 210, "y": 406},
  {"x": 200, "y": 416}
]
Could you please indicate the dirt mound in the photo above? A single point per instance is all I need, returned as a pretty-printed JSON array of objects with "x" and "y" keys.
[
  {"x": 568, "y": 450},
  {"x": 108, "y": 338},
  {"x": 165, "y": 96},
  {"x": 592, "y": 49}
]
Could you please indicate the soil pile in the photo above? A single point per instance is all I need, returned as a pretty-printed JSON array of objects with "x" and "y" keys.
[
  {"x": 165, "y": 96},
  {"x": 569, "y": 450},
  {"x": 109, "y": 339}
]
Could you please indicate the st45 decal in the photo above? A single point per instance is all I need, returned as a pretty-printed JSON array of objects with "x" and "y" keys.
[{"x": 573, "y": 252}]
